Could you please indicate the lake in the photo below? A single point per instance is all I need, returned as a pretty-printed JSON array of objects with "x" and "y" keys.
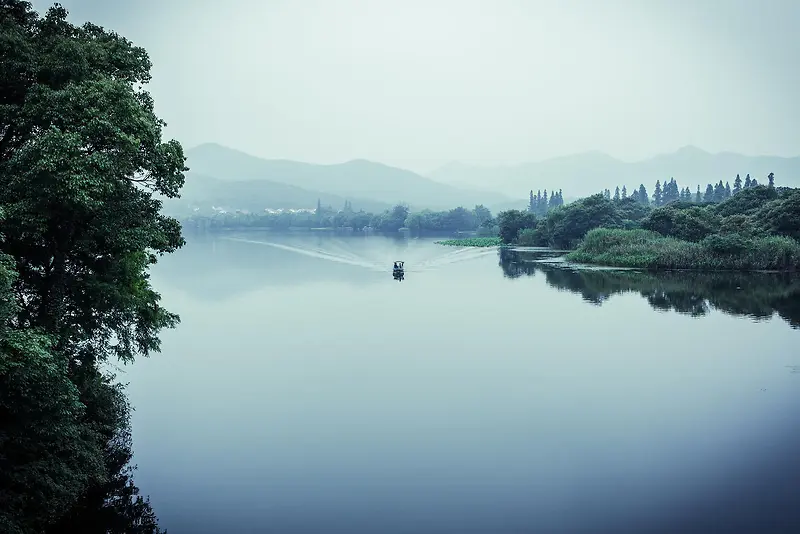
[{"x": 306, "y": 391}]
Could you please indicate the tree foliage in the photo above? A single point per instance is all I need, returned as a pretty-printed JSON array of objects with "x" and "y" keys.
[
  {"x": 720, "y": 216},
  {"x": 420, "y": 222},
  {"x": 81, "y": 157}
]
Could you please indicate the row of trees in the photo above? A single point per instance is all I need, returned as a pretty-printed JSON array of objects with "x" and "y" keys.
[
  {"x": 425, "y": 221},
  {"x": 754, "y": 211},
  {"x": 81, "y": 156},
  {"x": 671, "y": 192},
  {"x": 540, "y": 204}
]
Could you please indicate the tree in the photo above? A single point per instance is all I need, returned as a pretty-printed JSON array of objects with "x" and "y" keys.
[
  {"x": 512, "y": 221},
  {"x": 532, "y": 202},
  {"x": 616, "y": 194},
  {"x": 670, "y": 192},
  {"x": 719, "y": 192},
  {"x": 737, "y": 184},
  {"x": 553, "y": 202},
  {"x": 81, "y": 158},
  {"x": 643, "y": 198},
  {"x": 771, "y": 178},
  {"x": 658, "y": 198},
  {"x": 47, "y": 457},
  {"x": 567, "y": 226},
  {"x": 624, "y": 192},
  {"x": 698, "y": 197},
  {"x": 709, "y": 196},
  {"x": 728, "y": 192},
  {"x": 481, "y": 214},
  {"x": 748, "y": 183}
]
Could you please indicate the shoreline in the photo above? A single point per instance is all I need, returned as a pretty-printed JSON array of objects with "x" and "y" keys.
[{"x": 563, "y": 260}]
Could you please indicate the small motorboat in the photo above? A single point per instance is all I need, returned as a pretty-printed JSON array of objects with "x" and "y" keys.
[{"x": 398, "y": 271}]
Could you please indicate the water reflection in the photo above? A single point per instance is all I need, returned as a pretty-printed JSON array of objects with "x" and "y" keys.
[{"x": 755, "y": 295}]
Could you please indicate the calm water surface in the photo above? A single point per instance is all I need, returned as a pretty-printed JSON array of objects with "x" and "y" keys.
[{"x": 306, "y": 391}]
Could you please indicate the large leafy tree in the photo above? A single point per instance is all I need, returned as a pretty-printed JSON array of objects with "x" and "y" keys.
[
  {"x": 47, "y": 457},
  {"x": 81, "y": 163}
]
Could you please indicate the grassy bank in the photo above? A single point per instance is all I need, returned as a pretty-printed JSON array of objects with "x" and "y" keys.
[
  {"x": 649, "y": 250},
  {"x": 472, "y": 242}
]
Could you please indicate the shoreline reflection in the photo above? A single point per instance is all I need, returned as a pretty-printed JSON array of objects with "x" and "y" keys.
[{"x": 758, "y": 296}]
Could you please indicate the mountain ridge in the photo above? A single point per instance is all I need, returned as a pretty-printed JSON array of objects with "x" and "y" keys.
[
  {"x": 589, "y": 172},
  {"x": 202, "y": 192},
  {"x": 357, "y": 178}
]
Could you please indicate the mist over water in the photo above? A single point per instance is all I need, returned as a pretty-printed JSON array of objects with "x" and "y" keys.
[{"x": 306, "y": 391}]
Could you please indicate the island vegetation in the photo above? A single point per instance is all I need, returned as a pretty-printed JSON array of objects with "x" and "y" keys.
[
  {"x": 747, "y": 227},
  {"x": 81, "y": 158}
]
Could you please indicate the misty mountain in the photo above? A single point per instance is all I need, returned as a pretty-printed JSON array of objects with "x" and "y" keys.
[
  {"x": 204, "y": 191},
  {"x": 589, "y": 172},
  {"x": 353, "y": 179}
]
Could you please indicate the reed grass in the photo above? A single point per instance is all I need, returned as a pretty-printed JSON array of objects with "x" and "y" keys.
[{"x": 649, "y": 250}]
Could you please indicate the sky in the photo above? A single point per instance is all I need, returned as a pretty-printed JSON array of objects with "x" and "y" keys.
[{"x": 419, "y": 83}]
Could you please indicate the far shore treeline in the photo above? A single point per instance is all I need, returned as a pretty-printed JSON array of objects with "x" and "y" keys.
[{"x": 478, "y": 219}]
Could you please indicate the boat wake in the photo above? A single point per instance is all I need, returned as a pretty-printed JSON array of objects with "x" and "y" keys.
[{"x": 379, "y": 257}]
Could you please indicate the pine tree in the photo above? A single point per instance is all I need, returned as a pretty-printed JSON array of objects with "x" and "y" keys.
[
  {"x": 709, "y": 196},
  {"x": 748, "y": 183},
  {"x": 643, "y": 198},
  {"x": 531, "y": 203},
  {"x": 544, "y": 200},
  {"x": 616, "y": 194},
  {"x": 753, "y": 182},
  {"x": 698, "y": 198},
  {"x": 670, "y": 192},
  {"x": 727, "y": 190},
  {"x": 658, "y": 199},
  {"x": 737, "y": 184},
  {"x": 719, "y": 192},
  {"x": 771, "y": 178},
  {"x": 624, "y": 192}
]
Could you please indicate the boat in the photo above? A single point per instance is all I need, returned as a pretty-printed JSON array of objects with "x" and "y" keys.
[{"x": 398, "y": 271}]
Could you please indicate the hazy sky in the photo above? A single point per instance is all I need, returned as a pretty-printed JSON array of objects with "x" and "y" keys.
[{"x": 418, "y": 83}]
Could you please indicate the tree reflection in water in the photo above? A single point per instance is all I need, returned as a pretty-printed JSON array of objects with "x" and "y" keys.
[{"x": 755, "y": 295}]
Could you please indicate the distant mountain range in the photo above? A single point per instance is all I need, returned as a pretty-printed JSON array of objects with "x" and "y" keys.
[
  {"x": 204, "y": 192},
  {"x": 223, "y": 177},
  {"x": 587, "y": 173},
  {"x": 230, "y": 179}
]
